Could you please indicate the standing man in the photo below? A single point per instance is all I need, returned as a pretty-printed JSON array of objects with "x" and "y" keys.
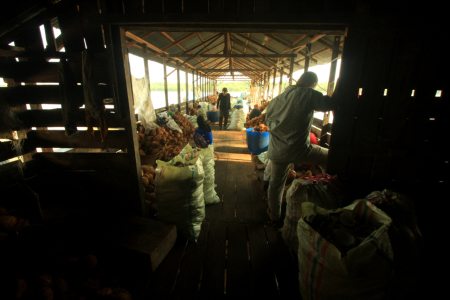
[
  {"x": 289, "y": 117},
  {"x": 224, "y": 105}
]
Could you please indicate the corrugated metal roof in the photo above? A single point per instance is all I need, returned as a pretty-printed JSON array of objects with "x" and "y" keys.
[{"x": 241, "y": 43}]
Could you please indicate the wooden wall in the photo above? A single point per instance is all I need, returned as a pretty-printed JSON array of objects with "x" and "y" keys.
[{"x": 100, "y": 171}]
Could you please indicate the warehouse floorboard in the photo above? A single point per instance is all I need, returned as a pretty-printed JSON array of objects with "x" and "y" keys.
[{"x": 238, "y": 253}]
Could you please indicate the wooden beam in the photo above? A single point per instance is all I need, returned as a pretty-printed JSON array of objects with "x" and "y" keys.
[
  {"x": 187, "y": 91},
  {"x": 116, "y": 39},
  {"x": 142, "y": 41},
  {"x": 278, "y": 40},
  {"x": 193, "y": 85},
  {"x": 218, "y": 55},
  {"x": 166, "y": 93},
  {"x": 256, "y": 43},
  {"x": 49, "y": 36},
  {"x": 291, "y": 71},
  {"x": 255, "y": 51},
  {"x": 145, "y": 58},
  {"x": 281, "y": 81},
  {"x": 308, "y": 51},
  {"x": 177, "y": 42},
  {"x": 201, "y": 38},
  {"x": 334, "y": 56},
  {"x": 145, "y": 35},
  {"x": 230, "y": 70},
  {"x": 329, "y": 46},
  {"x": 179, "y": 89},
  {"x": 273, "y": 86}
]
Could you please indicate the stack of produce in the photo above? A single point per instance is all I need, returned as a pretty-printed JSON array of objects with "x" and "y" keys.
[
  {"x": 256, "y": 121},
  {"x": 192, "y": 111},
  {"x": 148, "y": 179},
  {"x": 261, "y": 128},
  {"x": 212, "y": 99},
  {"x": 185, "y": 125},
  {"x": 68, "y": 277},
  {"x": 342, "y": 230},
  {"x": 263, "y": 106},
  {"x": 10, "y": 224},
  {"x": 164, "y": 143},
  {"x": 161, "y": 143}
]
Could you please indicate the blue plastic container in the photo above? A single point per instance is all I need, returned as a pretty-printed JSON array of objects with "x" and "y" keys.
[
  {"x": 257, "y": 142},
  {"x": 212, "y": 116}
]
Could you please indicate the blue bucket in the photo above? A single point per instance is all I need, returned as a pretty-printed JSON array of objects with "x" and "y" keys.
[
  {"x": 257, "y": 142},
  {"x": 212, "y": 116}
]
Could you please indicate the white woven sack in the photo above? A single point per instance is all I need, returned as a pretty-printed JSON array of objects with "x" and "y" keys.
[
  {"x": 207, "y": 157},
  {"x": 179, "y": 194},
  {"x": 263, "y": 157},
  {"x": 237, "y": 120},
  {"x": 364, "y": 274}
]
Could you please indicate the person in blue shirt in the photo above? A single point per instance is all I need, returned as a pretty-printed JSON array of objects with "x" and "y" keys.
[
  {"x": 255, "y": 112},
  {"x": 203, "y": 135}
]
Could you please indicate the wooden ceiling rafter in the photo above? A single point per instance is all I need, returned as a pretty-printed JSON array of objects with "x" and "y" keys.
[
  {"x": 255, "y": 51},
  {"x": 145, "y": 35},
  {"x": 177, "y": 43},
  {"x": 201, "y": 38}
]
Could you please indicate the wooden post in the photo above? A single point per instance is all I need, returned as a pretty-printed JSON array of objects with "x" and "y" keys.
[
  {"x": 334, "y": 56},
  {"x": 291, "y": 71},
  {"x": 308, "y": 56},
  {"x": 124, "y": 93},
  {"x": 166, "y": 92},
  {"x": 145, "y": 57},
  {"x": 281, "y": 80},
  {"x": 273, "y": 86},
  {"x": 49, "y": 36},
  {"x": 187, "y": 90},
  {"x": 268, "y": 83},
  {"x": 193, "y": 86},
  {"x": 178, "y": 87},
  {"x": 324, "y": 139}
]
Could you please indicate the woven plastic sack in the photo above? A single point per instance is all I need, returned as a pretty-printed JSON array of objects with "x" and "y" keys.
[
  {"x": 263, "y": 157},
  {"x": 406, "y": 240},
  {"x": 237, "y": 120},
  {"x": 207, "y": 157},
  {"x": 179, "y": 194},
  {"x": 364, "y": 274},
  {"x": 321, "y": 190},
  {"x": 193, "y": 120}
]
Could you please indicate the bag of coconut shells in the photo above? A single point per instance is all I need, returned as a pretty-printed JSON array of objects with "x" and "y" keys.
[
  {"x": 207, "y": 157},
  {"x": 344, "y": 253},
  {"x": 323, "y": 191},
  {"x": 179, "y": 194}
]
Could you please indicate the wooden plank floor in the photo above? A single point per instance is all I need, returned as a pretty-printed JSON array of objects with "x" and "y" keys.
[{"x": 238, "y": 253}]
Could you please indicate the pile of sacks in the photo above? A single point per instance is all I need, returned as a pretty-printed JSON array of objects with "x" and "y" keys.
[{"x": 182, "y": 188}]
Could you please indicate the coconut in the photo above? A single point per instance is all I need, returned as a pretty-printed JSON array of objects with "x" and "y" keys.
[
  {"x": 44, "y": 279},
  {"x": 21, "y": 223},
  {"x": 145, "y": 180},
  {"x": 145, "y": 168},
  {"x": 88, "y": 261},
  {"x": 3, "y": 235},
  {"x": 60, "y": 285},
  {"x": 163, "y": 140},
  {"x": 152, "y": 197},
  {"x": 150, "y": 188},
  {"x": 141, "y": 152},
  {"x": 3, "y": 211},
  {"x": 105, "y": 291},
  {"x": 7, "y": 222},
  {"x": 21, "y": 287},
  {"x": 92, "y": 284}
]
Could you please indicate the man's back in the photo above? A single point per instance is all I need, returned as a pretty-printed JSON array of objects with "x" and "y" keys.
[{"x": 289, "y": 117}]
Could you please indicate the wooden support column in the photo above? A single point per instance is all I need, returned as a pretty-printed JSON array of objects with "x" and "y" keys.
[
  {"x": 273, "y": 86},
  {"x": 281, "y": 81},
  {"x": 145, "y": 57},
  {"x": 124, "y": 95},
  {"x": 178, "y": 86},
  {"x": 193, "y": 87},
  {"x": 308, "y": 56},
  {"x": 166, "y": 92},
  {"x": 49, "y": 36},
  {"x": 268, "y": 83},
  {"x": 187, "y": 90},
  {"x": 291, "y": 71},
  {"x": 326, "y": 126}
]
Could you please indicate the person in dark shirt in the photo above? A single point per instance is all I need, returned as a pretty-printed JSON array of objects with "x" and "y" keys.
[
  {"x": 224, "y": 105},
  {"x": 255, "y": 112}
]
